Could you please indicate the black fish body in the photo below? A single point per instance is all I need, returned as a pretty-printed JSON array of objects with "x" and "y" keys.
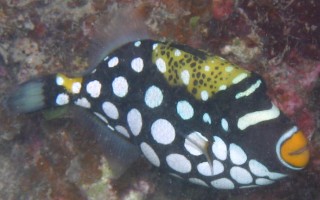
[{"x": 193, "y": 115}]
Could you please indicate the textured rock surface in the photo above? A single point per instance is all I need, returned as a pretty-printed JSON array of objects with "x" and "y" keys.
[{"x": 57, "y": 159}]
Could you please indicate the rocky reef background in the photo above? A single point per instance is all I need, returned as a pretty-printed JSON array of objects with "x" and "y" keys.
[{"x": 54, "y": 158}]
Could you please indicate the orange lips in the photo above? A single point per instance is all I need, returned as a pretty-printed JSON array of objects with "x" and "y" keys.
[{"x": 294, "y": 151}]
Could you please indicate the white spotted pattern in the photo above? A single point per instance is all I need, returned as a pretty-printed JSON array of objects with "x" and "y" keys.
[
  {"x": 153, "y": 97},
  {"x": 218, "y": 167},
  {"x": 163, "y": 132},
  {"x": 205, "y": 169},
  {"x": 241, "y": 175},
  {"x": 137, "y": 43},
  {"x": 120, "y": 86},
  {"x": 83, "y": 102},
  {"x": 198, "y": 182},
  {"x": 110, "y": 110},
  {"x": 62, "y": 99},
  {"x": 150, "y": 154},
  {"x": 185, "y": 77},
  {"x": 137, "y": 64},
  {"x": 206, "y": 68},
  {"x": 224, "y": 124},
  {"x": 237, "y": 155},
  {"x": 206, "y": 118},
  {"x": 223, "y": 183},
  {"x": 94, "y": 88},
  {"x": 113, "y": 62},
  {"x": 122, "y": 130},
  {"x": 229, "y": 69},
  {"x": 154, "y": 46},
  {"x": 195, "y": 143},
  {"x": 59, "y": 80},
  {"x": 185, "y": 110},
  {"x": 134, "y": 120},
  {"x": 204, "y": 95},
  {"x": 177, "y": 52},
  {"x": 76, "y": 87},
  {"x": 222, "y": 87},
  {"x": 101, "y": 117},
  {"x": 219, "y": 148},
  {"x": 263, "y": 181},
  {"x": 258, "y": 168},
  {"x": 179, "y": 163},
  {"x": 161, "y": 65}
]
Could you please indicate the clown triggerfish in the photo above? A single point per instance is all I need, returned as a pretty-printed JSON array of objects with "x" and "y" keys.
[{"x": 191, "y": 114}]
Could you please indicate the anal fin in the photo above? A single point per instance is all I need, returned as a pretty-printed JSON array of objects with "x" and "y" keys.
[{"x": 119, "y": 152}]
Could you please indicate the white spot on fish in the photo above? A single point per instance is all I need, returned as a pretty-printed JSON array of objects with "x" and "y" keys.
[
  {"x": 185, "y": 110},
  {"x": 150, "y": 154},
  {"x": 185, "y": 77},
  {"x": 205, "y": 169},
  {"x": 101, "y": 117},
  {"x": 177, "y": 52},
  {"x": 222, "y": 87},
  {"x": 59, "y": 80},
  {"x": 162, "y": 131},
  {"x": 120, "y": 86},
  {"x": 204, "y": 95},
  {"x": 153, "y": 97},
  {"x": 239, "y": 78},
  {"x": 206, "y": 68},
  {"x": 179, "y": 163},
  {"x": 94, "y": 88},
  {"x": 237, "y": 155},
  {"x": 229, "y": 69},
  {"x": 263, "y": 181},
  {"x": 258, "y": 168},
  {"x": 161, "y": 65},
  {"x": 76, "y": 87},
  {"x": 122, "y": 130},
  {"x": 224, "y": 124},
  {"x": 83, "y": 102},
  {"x": 223, "y": 183},
  {"x": 241, "y": 175},
  {"x": 217, "y": 167},
  {"x": 195, "y": 143},
  {"x": 137, "y": 64},
  {"x": 110, "y": 110},
  {"x": 62, "y": 99},
  {"x": 198, "y": 182},
  {"x": 134, "y": 120},
  {"x": 219, "y": 148},
  {"x": 113, "y": 62},
  {"x": 206, "y": 118},
  {"x": 154, "y": 46},
  {"x": 137, "y": 43}
]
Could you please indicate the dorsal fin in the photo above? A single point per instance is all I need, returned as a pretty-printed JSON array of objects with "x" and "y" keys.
[{"x": 114, "y": 29}]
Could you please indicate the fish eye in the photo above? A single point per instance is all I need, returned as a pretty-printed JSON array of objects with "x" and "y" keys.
[{"x": 292, "y": 149}]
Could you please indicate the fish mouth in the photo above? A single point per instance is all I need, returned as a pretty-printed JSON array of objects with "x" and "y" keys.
[{"x": 293, "y": 150}]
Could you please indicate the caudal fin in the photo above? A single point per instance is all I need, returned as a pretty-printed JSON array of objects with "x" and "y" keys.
[{"x": 37, "y": 94}]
